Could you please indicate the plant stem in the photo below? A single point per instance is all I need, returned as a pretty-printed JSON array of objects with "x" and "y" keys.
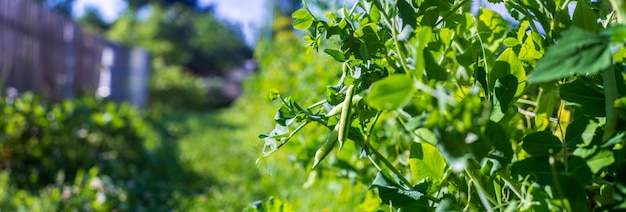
[
  {"x": 317, "y": 104},
  {"x": 554, "y": 24},
  {"x": 620, "y": 7},
  {"x": 394, "y": 170},
  {"x": 285, "y": 140},
  {"x": 509, "y": 183},
  {"x": 484, "y": 198},
  {"x": 456, "y": 7},
  {"x": 394, "y": 34},
  {"x": 387, "y": 163}
]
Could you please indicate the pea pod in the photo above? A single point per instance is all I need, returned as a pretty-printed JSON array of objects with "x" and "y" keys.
[
  {"x": 339, "y": 108},
  {"x": 610, "y": 93},
  {"x": 323, "y": 151},
  {"x": 344, "y": 121}
]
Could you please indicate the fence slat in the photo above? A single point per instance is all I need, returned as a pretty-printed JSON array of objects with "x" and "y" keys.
[{"x": 47, "y": 53}]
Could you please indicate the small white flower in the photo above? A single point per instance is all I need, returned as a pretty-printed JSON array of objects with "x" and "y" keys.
[
  {"x": 95, "y": 183},
  {"x": 471, "y": 137},
  {"x": 100, "y": 197}
]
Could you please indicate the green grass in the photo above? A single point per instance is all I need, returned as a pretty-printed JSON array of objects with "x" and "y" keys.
[{"x": 223, "y": 146}]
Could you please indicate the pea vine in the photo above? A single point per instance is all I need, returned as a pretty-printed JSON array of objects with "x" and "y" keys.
[{"x": 457, "y": 111}]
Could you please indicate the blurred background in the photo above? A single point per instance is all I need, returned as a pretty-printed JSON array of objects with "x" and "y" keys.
[{"x": 157, "y": 105}]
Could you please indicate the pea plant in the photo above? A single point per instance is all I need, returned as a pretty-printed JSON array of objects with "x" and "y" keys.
[{"x": 460, "y": 111}]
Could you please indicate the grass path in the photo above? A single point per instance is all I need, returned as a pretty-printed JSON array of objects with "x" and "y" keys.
[{"x": 223, "y": 146}]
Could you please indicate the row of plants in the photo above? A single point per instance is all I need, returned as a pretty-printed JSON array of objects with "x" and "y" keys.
[
  {"x": 291, "y": 70},
  {"x": 438, "y": 109}
]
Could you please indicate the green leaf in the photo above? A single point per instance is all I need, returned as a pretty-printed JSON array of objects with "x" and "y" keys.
[
  {"x": 508, "y": 63},
  {"x": 337, "y": 55},
  {"x": 504, "y": 90},
  {"x": 501, "y": 152},
  {"x": 392, "y": 193},
  {"x": 481, "y": 77},
  {"x": 368, "y": 33},
  {"x": 433, "y": 70},
  {"x": 595, "y": 157},
  {"x": 579, "y": 170},
  {"x": 541, "y": 143},
  {"x": 424, "y": 135},
  {"x": 613, "y": 141},
  {"x": 425, "y": 35},
  {"x": 374, "y": 14},
  {"x": 580, "y": 92},
  {"x": 284, "y": 116},
  {"x": 391, "y": 92},
  {"x": 580, "y": 131},
  {"x": 301, "y": 14},
  {"x": 408, "y": 17},
  {"x": 538, "y": 167},
  {"x": 617, "y": 33},
  {"x": 572, "y": 191},
  {"x": 304, "y": 19},
  {"x": 426, "y": 161},
  {"x": 584, "y": 17},
  {"x": 511, "y": 42},
  {"x": 546, "y": 105},
  {"x": 491, "y": 27},
  {"x": 333, "y": 95},
  {"x": 274, "y": 94},
  {"x": 541, "y": 170},
  {"x": 579, "y": 52},
  {"x": 457, "y": 147},
  {"x": 407, "y": 13},
  {"x": 532, "y": 49},
  {"x": 448, "y": 204},
  {"x": 272, "y": 204}
]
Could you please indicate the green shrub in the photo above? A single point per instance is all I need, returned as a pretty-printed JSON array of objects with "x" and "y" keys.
[
  {"x": 42, "y": 143},
  {"x": 90, "y": 154},
  {"x": 171, "y": 85}
]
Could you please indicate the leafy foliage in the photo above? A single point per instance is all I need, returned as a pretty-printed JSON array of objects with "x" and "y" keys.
[
  {"x": 39, "y": 141},
  {"x": 86, "y": 153},
  {"x": 457, "y": 111},
  {"x": 172, "y": 86},
  {"x": 184, "y": 36}
]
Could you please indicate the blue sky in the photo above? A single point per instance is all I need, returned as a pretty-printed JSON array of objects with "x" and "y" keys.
[{"x": 249, "y": 14}]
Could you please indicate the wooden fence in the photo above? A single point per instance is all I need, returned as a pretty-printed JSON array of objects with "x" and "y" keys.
[{"x": 47, "y": 53}]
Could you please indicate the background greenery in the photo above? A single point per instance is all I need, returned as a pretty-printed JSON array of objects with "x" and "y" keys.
[
  {"x": 436, "y": 110},
  {"x": 178, "y": 153}
]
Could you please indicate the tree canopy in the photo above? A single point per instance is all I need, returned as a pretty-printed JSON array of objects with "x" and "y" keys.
[
  {"x": 183, "y": 35},
  {"x": 181, "y": 32}
]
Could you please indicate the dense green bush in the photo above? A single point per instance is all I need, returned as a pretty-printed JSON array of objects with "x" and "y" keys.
[
  {"x": 90, "y": 154},
  {"x": 44, "y": 144}
]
